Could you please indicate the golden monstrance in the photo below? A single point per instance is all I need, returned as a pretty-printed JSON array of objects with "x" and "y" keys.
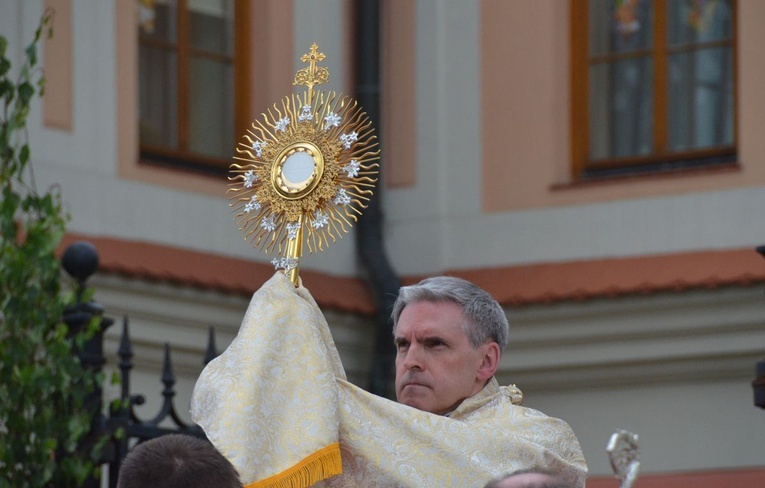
[{"x": 307, "y": 170}]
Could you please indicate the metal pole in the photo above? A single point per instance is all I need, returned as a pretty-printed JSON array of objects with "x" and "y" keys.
[{"x": 80, "y": 260}]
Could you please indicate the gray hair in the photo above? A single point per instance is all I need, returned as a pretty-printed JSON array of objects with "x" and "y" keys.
[{"x": 486, "y": 321}]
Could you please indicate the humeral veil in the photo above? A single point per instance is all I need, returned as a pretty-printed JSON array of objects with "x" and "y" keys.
[{"x": 277, "y": 404}]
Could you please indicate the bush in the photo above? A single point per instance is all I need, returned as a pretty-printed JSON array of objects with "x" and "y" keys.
[{"x": 42, "y": 383}]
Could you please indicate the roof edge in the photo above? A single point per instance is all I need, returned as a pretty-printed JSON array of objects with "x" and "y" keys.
[{"x": 516, "y": 285}]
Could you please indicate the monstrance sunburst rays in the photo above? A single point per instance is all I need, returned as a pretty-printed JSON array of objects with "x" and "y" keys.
[{"x": 306, "y": 170}]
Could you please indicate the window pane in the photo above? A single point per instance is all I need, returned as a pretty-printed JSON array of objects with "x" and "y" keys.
[
  {"x": 701, "y": 99},
  {"x": 158, "y": 122},
  {"x": 211, "y": 108},
  {"x": 160, "y": 22},
  {"x": 621, "y": 108},
  {"x": 618, "y": 26},
  {"x": 212, "y": 25},
  {"x": 690, "y": 22}
]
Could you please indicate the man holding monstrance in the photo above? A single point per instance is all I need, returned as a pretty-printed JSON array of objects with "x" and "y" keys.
[{"x": 277, "y": 404}]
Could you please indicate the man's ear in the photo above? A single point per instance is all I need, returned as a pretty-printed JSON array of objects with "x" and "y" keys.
[{"x": 490, "y": 362}]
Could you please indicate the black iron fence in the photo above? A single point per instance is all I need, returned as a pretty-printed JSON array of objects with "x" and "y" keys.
[{"x": 120, "y": 425}]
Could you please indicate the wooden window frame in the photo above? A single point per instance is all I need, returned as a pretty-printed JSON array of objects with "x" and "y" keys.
[
  {"x": 182, "y": 157},
  {"x": 660, "y": 159}
]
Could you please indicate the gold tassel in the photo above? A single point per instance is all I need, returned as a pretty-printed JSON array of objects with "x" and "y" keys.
[{"x": 320, "y": 465}]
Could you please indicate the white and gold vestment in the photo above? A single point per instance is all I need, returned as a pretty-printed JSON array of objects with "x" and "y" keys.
[{"x": 277, "y": 404}]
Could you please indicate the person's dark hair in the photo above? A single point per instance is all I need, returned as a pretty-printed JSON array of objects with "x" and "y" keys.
[
  {"x": 552, "y": 480},
  {"x": 177, "y": 461},
  {"x": 486, "y": 319}
]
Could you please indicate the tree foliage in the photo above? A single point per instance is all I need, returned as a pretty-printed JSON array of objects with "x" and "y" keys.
[{"x": 42, "y": 382}]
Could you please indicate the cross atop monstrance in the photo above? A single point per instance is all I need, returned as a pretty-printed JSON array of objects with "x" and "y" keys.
[{"x": 312, "y": 74}]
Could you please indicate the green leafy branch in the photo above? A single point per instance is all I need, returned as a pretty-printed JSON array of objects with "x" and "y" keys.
[{"x": 43, "y": 385}]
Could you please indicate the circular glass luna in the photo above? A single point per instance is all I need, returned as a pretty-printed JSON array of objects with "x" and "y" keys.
[{"x": 298, "y": 170}]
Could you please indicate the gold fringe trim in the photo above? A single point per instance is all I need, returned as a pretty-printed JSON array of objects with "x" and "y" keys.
[{"x": 320, "y": 465}]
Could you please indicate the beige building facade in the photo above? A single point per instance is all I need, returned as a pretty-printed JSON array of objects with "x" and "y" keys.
[{"x": 635, "y": 295}]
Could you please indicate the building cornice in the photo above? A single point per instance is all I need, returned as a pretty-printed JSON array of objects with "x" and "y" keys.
[{"x": 516, "y": 285}]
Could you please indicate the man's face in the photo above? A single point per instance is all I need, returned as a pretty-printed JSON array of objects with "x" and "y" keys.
[{"x": 436, "y": 366}]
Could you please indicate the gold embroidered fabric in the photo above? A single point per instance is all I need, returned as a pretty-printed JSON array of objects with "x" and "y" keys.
[{"x": 278, "y": 395}]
